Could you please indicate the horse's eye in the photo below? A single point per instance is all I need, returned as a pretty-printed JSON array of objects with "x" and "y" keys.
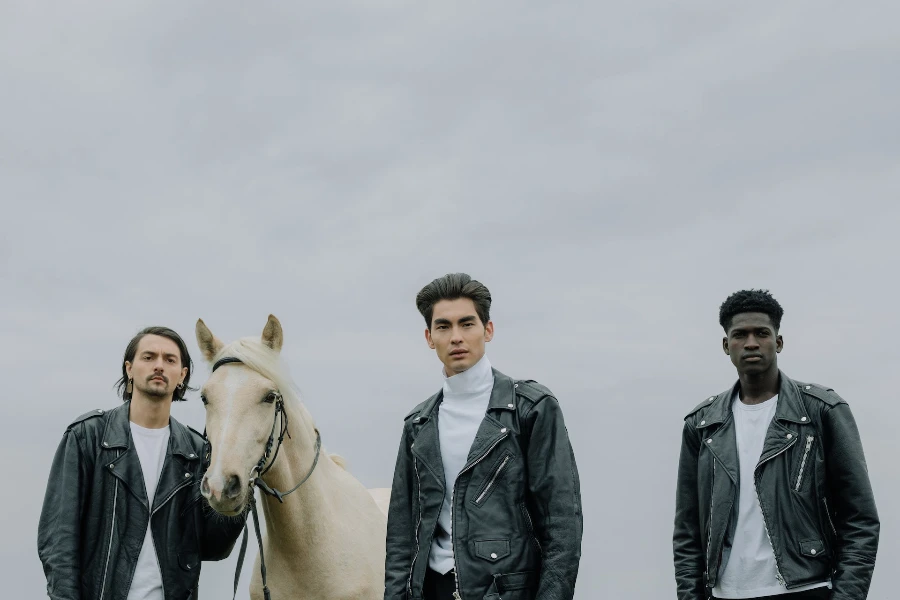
[
  {"x": 204, "y": 400},
  {"x": 271, "y": 397}
]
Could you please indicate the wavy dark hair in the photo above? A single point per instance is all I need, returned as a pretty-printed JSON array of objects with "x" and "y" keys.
[
  {"x": 451, "y": 287},
  {"x": 744, "y": 301},
  {"x": 122, "y": 384}
]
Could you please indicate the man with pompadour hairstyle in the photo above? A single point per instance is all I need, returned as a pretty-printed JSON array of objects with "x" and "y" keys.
[
  {"x": 486, "y": 500},
  {"x": 773, "y": 497}
]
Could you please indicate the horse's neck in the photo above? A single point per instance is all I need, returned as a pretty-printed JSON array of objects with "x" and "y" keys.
[{"x": 305, "y": 510}]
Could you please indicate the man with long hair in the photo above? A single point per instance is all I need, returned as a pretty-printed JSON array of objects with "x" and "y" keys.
[{"x": 123, "y": 518}]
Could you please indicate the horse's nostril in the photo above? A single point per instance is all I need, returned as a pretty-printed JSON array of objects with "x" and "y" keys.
[
  {"x": 232, "y": 487},
  {"x": 204, "y": 486}
]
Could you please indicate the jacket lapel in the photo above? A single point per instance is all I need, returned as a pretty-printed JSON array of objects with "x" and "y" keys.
[
  {"x": 177, "y": 472},
  {"x": 426, "y": 444},
  {"x": 121, "y": 458}
]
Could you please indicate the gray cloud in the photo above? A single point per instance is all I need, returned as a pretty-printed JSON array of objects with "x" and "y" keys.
[{"x": 610, "y": 172}]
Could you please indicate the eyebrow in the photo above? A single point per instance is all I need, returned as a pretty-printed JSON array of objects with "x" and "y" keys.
[
  {"x": 745, "y": 329},
  {"x": 447, "y": 321},
  {"x": 165, "y": 354}
]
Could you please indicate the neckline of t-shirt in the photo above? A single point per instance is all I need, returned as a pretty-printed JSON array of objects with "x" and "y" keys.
[
  {"x": 135, "y": 428},
  {"x": 755, "y": 407}
]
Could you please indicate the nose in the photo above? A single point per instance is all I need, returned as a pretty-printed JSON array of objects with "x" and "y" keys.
[
  {"x": 232, "y": 487},
  {"x": 220, "y": 487}
]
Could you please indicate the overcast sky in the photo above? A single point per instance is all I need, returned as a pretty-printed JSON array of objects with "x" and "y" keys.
[{"x": 610, "y": 171}]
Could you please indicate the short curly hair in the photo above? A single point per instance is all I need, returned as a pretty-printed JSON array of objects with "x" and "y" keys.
[{"x": 745, "y": 301}]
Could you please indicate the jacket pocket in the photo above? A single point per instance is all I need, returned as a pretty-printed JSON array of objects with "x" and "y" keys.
[
  {"x": 806, "y": 457},
  {"x": 812, "y": 548},
  {"x": 490, "y": 483},
  {"x": 513, "y": 586},
  {"x": 492, "y": 550}
]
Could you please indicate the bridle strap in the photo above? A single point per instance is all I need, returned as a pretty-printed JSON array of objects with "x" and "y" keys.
[{"x": 261, "y": 469}]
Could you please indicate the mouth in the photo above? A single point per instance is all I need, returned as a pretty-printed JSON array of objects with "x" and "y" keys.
[
  {"x": 159, "y": 379},
  {"x": 752, "y": 358},
  {"x": 458, "y": 353}
]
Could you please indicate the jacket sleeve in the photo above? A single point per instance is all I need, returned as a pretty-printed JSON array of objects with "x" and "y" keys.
[
  {"x": 555, "y": 498},
  {"x": 401, "y": 535},
  {"x": 852, "y": 505},
  {"x": 687, "y": 542},
  {"x": 59, "y": 528},
  {"x": 217, "y": 533}
]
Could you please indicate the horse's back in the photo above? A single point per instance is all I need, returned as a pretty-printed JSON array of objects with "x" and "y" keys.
[{"x": 382, "y": 497}]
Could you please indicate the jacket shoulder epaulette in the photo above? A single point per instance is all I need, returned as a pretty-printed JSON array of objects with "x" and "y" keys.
[
  {"x": 821, "y": 392},
  {"x": 419, "y": 407},
  {"x": 88, "y": 415},
  {"x": 532, "y": 390},
  {"x": 701, "y": 406}
]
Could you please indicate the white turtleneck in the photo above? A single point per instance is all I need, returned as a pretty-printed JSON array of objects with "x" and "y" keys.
[{"x": 465, "y": 402}]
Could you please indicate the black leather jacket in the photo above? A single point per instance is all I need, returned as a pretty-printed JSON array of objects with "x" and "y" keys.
[
  {"x": 517, "y": 520},
  {"x": 813, "y": 488},
  {"x": 95, "y": 512}
]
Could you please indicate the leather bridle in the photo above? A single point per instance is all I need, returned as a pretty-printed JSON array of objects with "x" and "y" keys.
[{"x": 261, "y": 469}]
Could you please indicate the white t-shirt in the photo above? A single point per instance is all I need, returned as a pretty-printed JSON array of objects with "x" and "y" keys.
[
  {"x": 751, "y": 569},
  {"x": 151, "y": 446},
  {"x": 465, "y": 402}
]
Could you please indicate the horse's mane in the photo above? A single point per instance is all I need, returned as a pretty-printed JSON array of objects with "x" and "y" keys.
[{"x": 265, "y": 361}]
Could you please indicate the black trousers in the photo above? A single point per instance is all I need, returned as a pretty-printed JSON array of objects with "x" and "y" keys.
[
  {"x": 439, "y": 587},
  {"x": 822, "y": 593}
]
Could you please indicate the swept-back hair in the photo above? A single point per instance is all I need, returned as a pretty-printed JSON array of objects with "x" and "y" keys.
[{"x": 453, "y": 286}]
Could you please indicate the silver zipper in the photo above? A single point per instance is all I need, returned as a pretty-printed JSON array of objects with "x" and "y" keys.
[
  {"x": 112, "y": 529},
  {"x": 530, "y": 526},
  {"x": 712, "y": 494},
  {"x": 491, "y": 482},
  {"x": 809, "y": 443},
  {"x": 418, "y": 524},
  {"x": 456, "y": 595},
  {"x": 828, "y": 514},
  {"x": 778, "y": 575},
  {"x": 175, "y": 491}
]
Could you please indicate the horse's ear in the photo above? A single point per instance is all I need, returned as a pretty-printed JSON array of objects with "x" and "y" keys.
[
  {"x": 273, "y": 335},
  {"x": 209, "y": 344}
]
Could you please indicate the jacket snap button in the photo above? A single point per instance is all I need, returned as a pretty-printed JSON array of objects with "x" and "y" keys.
[
  {"x": 511, "y": 405},
  {"x": 106, "y": 444},
  {"x": 515, "y": 385},
  {"x": 703, "y": 422},
  {"x": 813, "y": 551},
  {"x": 493, "y": 555},
  {"x": 100, "y": 411},
  {"x": 111, "y": 465},
  {"x": 803, "y": 419},
  {"x": 711, "y": 398},
  {"x": 187, "y": 474},
  {"x": 809, "y": 387},
  {"x": 503, "y": 430},
  {"x": 790, "y": 435},
  {"x": 709, "y": 441}
]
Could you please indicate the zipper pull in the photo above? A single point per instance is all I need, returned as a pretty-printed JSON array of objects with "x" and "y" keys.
[{"x": 456, "y": 596}]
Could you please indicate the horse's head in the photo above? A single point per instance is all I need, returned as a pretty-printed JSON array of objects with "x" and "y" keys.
[{"x": 240, "y": 402}]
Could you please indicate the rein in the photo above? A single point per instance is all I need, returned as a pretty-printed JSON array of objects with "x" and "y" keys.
[{"x": 261, "y": 469}]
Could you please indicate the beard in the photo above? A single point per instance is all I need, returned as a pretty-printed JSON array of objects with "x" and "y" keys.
[{"x": 152, "y": 390}]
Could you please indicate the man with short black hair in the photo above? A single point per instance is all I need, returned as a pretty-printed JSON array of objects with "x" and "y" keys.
[
  {"x": 773, "y": 495},
  {"x": 486, "y": 499},
  {"x": 123, "y": 518}
]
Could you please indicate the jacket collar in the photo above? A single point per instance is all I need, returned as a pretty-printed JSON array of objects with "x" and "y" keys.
[
  {"x": 118, "y": 433},
  {"x": 790, "y": 406},
  {"x": 502, "y": 397},
  {"x": 427, "y": 442}
]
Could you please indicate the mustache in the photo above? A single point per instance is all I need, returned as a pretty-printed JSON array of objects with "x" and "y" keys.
[{"x": 160, "y": 375}]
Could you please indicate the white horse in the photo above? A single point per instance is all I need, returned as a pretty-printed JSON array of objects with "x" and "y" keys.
[{"x": 326, "y": 540}]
